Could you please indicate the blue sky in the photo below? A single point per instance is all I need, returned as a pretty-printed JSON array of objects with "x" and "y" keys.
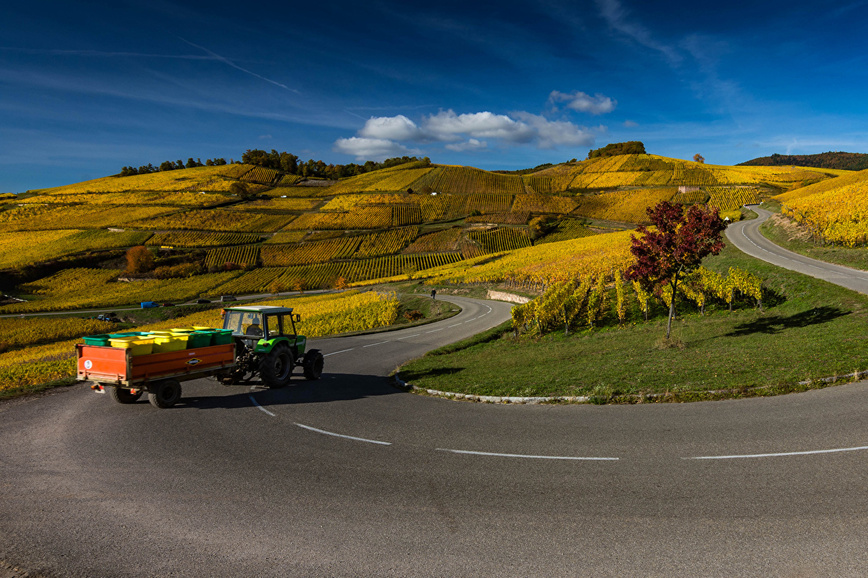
[{"x": 88, "y": 87}]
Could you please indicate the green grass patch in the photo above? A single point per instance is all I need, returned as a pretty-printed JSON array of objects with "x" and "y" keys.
[{"x": 813, "y": 330}]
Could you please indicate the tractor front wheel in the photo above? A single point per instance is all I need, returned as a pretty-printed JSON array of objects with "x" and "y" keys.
[
  {"x": 276, "y": 367},
  {"x": 313, "y": 363}
]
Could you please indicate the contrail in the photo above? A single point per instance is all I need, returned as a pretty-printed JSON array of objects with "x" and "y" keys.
[{"x": 235, "y": 66}]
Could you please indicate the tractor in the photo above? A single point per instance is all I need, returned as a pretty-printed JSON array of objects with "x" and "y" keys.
[{"x": 266, "y": 344}]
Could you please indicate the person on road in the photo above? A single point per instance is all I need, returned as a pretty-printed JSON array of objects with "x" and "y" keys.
[{"x": 433, "y": 293}]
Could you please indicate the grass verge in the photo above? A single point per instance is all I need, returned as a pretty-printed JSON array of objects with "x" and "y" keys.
[{"x": 814, "y": 330}]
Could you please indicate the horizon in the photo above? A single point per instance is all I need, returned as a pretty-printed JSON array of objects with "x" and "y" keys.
[{"x": 503, "y": 86}]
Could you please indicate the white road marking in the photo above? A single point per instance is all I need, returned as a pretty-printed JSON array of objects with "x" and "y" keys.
[
  {"x": 341, "y": 351},
  {"x": 409, "y": 336},
  {"x": 337, "y": 435},
  {"x": 468, "y": 452},
  {"x": 435, "y": 330},
  {"x": 259, "y": 406},
  {"x": 778, "y": 455},
  {"x": 451, "y": 326},
  {"x": 374, "y": 344}
]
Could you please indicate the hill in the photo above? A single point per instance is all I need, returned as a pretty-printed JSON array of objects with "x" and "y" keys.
[{"x": 827, "y": 160}]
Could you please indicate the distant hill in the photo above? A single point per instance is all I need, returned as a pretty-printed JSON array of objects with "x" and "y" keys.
[{"x": 828, "y": 160}]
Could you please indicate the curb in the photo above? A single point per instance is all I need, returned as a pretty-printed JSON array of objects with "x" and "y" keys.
[
  {"x": 400, "y": 383},
  {"x": 628, "y": 399}
]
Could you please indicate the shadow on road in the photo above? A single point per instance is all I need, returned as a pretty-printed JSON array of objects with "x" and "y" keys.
[
  {"x": 331, "y": 387},
  {"x": 773, "y": 324}
]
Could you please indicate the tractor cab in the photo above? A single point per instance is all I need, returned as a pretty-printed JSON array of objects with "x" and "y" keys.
[{"x": 260, "y": 326}]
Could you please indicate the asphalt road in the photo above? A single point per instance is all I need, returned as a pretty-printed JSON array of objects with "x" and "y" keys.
[
  {"x": 350, "y": 477},
  {"x": 746, "y": 236}
]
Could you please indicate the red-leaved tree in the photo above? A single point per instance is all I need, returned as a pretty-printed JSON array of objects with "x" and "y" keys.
[{"x": 667, "y": 254}]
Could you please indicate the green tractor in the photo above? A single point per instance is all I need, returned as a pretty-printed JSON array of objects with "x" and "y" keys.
[{"x": 267, "y": 344}]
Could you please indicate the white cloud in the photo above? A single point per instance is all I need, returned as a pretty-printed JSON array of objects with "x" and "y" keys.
[
  {"x": 446, "y": 126},
  {"x": 391, "y": 127},
  {"x": 630, "y": 124},
  {"x": 382, "y": 137},
  {"x": 471, "y": 145},
  {"x": 554, "y": 133},
  {"x": 371, "y": 148},
  {"x": 581, "y": 102}
]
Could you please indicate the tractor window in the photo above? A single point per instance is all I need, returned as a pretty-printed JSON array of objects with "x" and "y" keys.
[
  {"x": 243, "y": 322},
  {"x": 275, "y": 326}
]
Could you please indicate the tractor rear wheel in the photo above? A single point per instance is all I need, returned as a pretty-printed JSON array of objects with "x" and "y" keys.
[
  {"x": 276, "y": 366},
  {"x": 164, "y": 394}
]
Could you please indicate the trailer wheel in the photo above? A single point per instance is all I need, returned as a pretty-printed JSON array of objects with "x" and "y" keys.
[
  {"x": 313, "y": 364},
  {"x": 164, "y": 394},
  {"x": 276, "y": 367},
  {"x": 122, "y": 395}
]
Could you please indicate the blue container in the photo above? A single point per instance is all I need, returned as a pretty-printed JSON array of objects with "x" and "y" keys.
[{"x": 148, "y": 304}]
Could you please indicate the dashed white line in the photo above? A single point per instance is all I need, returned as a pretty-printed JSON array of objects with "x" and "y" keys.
[
  {"x": 259, "y": 407},
  {"x": 451, "y": 326},
  {"x": 374, "y": 344},
  {"x": 408, "y": 336},
  {"x": 341, "y": 351},
  {"x": 435, "y": 330},
  {"x": 337, "y": 435},
  {"x": 778, "y": 455},
  {"x": 526, "y": 456}
]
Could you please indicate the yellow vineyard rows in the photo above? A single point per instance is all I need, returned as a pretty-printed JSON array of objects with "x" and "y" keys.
[
  {"x": 403, "y": 215},
  {"x": 324, "y": 275},
  {"x": 651, "y": 170},
  {"x": 216, "y": 220},
  {"x": 370, "y": 218},
  {"x": 623, "y": 206},
  {"x": 260, "y": 175},
  {"x": 445, "y": 240},
  {"x": 394, "y": 179},
  {"x": 286, "y": 237},
  {"x": 85, "y": 288},
  {"x": 344, "y": 203},
  {"x": 16, "y": 333},
  {"x": 467, "y": 180},
  {"x": 24, "y": 248},
  {"x": 585, "y": 301},
  {"x": 277, "y": 204},
  {"x": 499, "y": 240},
  {"x": 386, "y": 242},
  {"x": 838, "y": 215},
  {"x": 194, "y": 179},
  {"x": 308, "y": 253},
  {"x": 543, "y": 204},
  {"x": 239, "y": 255},
  {"x": 728, "y": 198},
  {"x": 511, "y": 218},
  {"x": 180, "y": 199},
  {"x": 199, "y": 239},
  {"x": 544, "y": 264},
  {"x": 49, "y": 217}
]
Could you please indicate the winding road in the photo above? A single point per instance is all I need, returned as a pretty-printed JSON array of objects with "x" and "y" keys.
[{"x": 351, "y": 477}]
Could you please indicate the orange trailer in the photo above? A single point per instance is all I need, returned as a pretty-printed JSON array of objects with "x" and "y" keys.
[{"x": 126, "y": 377}]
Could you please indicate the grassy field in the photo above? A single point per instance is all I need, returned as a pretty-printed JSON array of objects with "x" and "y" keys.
[{"x": 809, "y": 330}]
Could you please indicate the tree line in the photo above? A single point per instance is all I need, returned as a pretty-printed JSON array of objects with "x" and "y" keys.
[
  {"x": 633, "y": 147},
  {"x": 827, "y": 160},
  {"x": 280, "y": 161},
  {"x": 171, "y": 166},
  {"x": 292, "y": 165}
]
